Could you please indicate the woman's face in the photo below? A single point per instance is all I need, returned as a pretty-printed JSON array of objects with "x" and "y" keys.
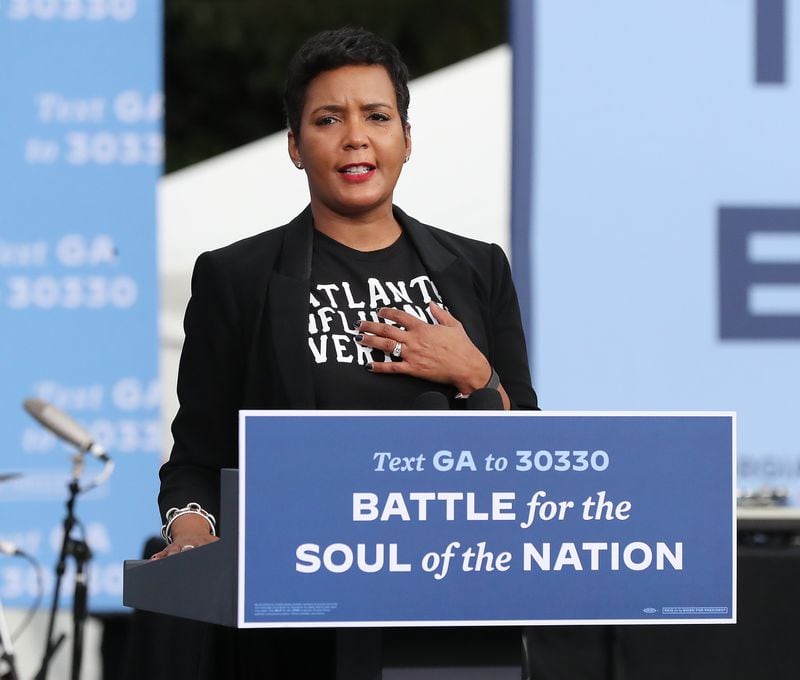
[{"x": 352, "y": 141}]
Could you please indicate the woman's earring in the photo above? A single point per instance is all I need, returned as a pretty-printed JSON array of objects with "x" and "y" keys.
[
  {"x": 299, "y": 165},
  {"x": 407, "y": 157}
]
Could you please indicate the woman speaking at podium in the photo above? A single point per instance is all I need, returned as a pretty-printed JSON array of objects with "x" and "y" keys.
[{"x": 352, "y": 305}]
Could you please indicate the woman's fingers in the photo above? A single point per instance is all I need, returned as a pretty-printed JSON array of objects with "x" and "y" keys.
[
  {"x": 401, "y": 318},
  {"x": 381, "y": 330},
  {"x": 397, "y": 367},
  {"x": 401, "y": 330},
  {"x": 184, "y": 544},
  {"x": 386, "y": 345},
  {"x": 442, "y": 315}
]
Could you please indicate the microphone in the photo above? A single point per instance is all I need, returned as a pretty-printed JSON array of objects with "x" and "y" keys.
[
  {"x": 64, "y": 427},
  {"x": 431, "y": 401},
  {"x": 486, "y": 399},
  {"x": 9, "y": 548}
]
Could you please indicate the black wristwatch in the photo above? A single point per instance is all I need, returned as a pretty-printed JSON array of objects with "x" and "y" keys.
[{"x": 494, "y": 381}]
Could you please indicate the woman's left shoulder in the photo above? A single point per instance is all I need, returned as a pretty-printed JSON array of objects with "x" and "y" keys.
[{"x": 458, "y": 244}]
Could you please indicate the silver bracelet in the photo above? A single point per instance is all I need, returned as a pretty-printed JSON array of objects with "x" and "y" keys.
[{"x": 189, "y": 509}]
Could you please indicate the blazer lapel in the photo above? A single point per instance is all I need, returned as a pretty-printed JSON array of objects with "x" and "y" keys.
[
  {"x": 288, "y": 312},
  {"x": 452, "y": 276}
]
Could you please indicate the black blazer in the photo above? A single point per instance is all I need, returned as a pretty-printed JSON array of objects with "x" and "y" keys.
[{"x": 246, "y": 339}]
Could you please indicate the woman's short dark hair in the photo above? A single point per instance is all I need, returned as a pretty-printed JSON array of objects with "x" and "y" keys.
[{"x": 330, "y": 50}]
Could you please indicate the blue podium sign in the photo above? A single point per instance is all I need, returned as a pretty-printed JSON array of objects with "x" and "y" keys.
[{"x": 410, "y": 518}]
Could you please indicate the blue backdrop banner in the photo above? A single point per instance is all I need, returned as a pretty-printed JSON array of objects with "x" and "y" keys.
[
  {"x": 80, "y": 155},
  {"x": 657, "y": 202},
  {"x": 422, "y": 519}
]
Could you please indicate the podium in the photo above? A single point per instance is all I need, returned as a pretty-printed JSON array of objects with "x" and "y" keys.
[
  {"x": 212, "y": 569},
  {"x": 405, "y": 520}
]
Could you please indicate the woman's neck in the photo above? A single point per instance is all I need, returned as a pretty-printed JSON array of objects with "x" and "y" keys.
[{"x": 361, "y": 232}]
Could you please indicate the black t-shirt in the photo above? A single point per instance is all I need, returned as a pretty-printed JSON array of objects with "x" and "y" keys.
[{"x": 348, "y": 285}]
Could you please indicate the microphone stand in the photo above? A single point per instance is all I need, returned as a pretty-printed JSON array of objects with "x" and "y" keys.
[
  {"x": 6, "y": 649},
  {"x": 79, "y": 551}
]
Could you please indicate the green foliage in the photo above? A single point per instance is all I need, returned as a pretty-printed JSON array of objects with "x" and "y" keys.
[{"x": 225, "y": 60}]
